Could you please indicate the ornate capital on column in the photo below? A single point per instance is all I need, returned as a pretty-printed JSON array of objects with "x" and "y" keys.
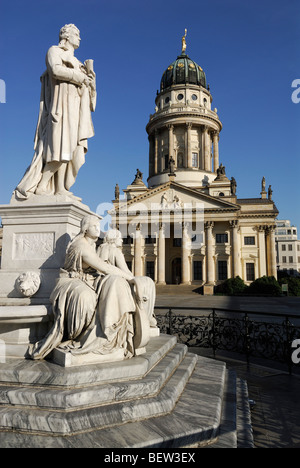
[
  {"x": 189, "y": 125},
  {"x": 209, "y": 224},
  {"x": 161, "y": 226},
  {"x": 271, "y": 228},
  {"x": 261, "y": 228},
  {"x": 234, "y": 223}
]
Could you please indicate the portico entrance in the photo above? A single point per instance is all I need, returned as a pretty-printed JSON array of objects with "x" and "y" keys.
[{"x": 176, "y": 271}]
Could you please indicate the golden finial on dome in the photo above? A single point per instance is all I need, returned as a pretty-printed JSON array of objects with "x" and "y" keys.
[{"x": 184, "y": 42}]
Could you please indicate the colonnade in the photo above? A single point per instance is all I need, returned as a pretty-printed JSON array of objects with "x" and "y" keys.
[
  {"x": 232, "y": 253},
  {"x": 210, "y": 140}
]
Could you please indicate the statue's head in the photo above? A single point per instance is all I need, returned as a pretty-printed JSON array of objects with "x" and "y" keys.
[
  {"x": 90, "y": 226},
  {"x": 113, "y": 236},
  {"x": 70, "y": 33}
]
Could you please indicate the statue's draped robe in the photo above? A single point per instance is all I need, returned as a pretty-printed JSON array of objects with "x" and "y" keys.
[
  {"x": 144, "y": 287},
  {"x": 64, "y": 122},
  {"x": 91, "y": 312}
]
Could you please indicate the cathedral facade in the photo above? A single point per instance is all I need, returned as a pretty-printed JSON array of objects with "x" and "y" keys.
[{"x": 187, "y": 225}]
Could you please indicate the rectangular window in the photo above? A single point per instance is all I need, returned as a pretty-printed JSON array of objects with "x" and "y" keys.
[
  {"x": 176, "y": 242},
  {"x": 283, "y": 259},
  {"x": 222, "y": 238},
  {"x": 291, "y": 259},
  {"x": 194, "y": 159},
  {"x": 250, "y": 272},
  {"x": 150, "y": 240},
  {"x": 150, "y": 270},
  {"x": 197, "y": 265},
  {"x": 249, "y": 240},
  {"x": 222, "y": 270},
  {"x": 283, "y": 248},
  {"x": 290, "y": 247}
]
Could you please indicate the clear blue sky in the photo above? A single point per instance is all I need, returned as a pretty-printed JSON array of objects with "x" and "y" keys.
[{"x": 248, "y": 49}]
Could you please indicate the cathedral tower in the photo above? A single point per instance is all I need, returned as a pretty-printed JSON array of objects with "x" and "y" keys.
[{"x": 183, "y": 127}]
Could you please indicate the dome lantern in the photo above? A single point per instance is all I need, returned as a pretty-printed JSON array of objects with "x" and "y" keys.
[{"x": 183, "y": 71}]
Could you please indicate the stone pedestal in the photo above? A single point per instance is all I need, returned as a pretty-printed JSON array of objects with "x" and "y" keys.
[
  {"x": 35, "y": 237},
  {"x": 208, "y": 289},
  {"x": 21, "y": 325}
]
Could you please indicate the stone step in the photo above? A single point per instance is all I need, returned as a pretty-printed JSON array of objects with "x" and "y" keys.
[
  {"x": 84, "y": 397},
  {"x": 194, "y": 421},
  {"x": 40, "y": 373},
  {"x": 70, "y": 422},
  {"x": 178, "y": 290}
]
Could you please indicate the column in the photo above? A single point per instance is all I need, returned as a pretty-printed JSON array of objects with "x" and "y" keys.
[
  {"x": 189, "y": 144},
  {"x": 185, "y": 262},
  {"x": 151, "y": 156},
  {"x": 171, "y": 140},
  {"x": 272, "y": 252},
  {"x": 206, "y": 149},
  {"x": 161, "y": 254},
  {"x": 138, "y": 260},
  {"x": 209, "y": 253},
  {"x": 235, "y": 249},
  {"x": 155, "y": 152},
  {"x": 216, "y": 150},
  {"x": 262, "y": 250}
]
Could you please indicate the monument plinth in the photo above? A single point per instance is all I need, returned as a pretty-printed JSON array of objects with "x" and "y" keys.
[{"x": 35, "y": 237}]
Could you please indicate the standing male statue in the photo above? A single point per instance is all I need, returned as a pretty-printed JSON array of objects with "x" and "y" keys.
[{"x": 68, "y": 96}]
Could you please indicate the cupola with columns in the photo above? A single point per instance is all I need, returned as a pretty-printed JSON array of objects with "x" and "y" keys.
[{"x": 184, "y": 127}]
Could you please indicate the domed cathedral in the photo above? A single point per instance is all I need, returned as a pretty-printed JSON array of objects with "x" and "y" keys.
[{"x": 187, "y": 225}]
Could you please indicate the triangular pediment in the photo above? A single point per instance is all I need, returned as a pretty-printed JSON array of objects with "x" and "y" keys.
[{"x": 172, "y": 195}]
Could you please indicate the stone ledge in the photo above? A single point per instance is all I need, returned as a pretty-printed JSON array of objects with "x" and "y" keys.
[
  {"x": 41, "y": 373},
  {"x": 45, "y": 397},
  {"x": 23, "y": 313}
]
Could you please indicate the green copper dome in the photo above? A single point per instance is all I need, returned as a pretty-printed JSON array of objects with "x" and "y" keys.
[{"x": 183, "y": 71}]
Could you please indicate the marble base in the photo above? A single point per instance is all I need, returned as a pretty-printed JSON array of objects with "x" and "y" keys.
[
  {"x": 35, "y": 237},
  {"x": 177, "y": 399},
  {"x": 67, "y": 359},
  {"x": 208, "y": 289}
]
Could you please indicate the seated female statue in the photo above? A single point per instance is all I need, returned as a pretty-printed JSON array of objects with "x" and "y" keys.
[{"x": 92, "y": 302}]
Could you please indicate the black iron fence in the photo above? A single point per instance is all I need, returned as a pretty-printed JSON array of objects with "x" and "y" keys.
[{"x": 258, "y": 334}]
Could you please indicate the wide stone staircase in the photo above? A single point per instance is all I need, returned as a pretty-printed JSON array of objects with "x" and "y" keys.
[{"x": 166, "y": 398}]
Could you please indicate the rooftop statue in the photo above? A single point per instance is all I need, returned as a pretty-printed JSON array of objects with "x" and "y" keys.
[
  {"x": 184, "y": 42},
  {"x": 68, "y": 96}
]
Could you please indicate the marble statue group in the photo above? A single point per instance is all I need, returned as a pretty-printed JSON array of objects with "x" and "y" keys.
[
  {"x": 98, "y": 306},
  {"x": 96, "y": 298}
]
